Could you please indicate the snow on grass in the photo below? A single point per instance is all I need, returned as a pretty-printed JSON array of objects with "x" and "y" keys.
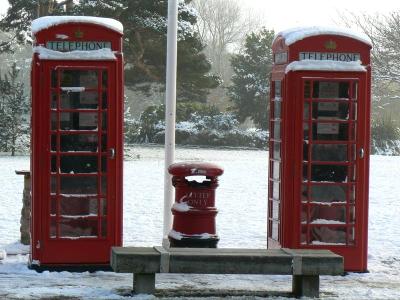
[{"x": 241, "y": 223}]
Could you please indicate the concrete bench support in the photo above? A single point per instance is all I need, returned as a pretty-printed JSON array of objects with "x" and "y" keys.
[{"x": 304, "y": 265}]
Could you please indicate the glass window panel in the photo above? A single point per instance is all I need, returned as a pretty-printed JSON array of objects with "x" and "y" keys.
[
  {"x": 277, "y": 109},
  {"x": 303, "y": 237},
  {"x": 325, "y": 214},
  {"x": 275, "y": 210},
  {"x": 104, "y": 121},
  {"x": 353, "y": 170},
  {"x": 275, "y": 231},
  {"x": 276, "y": 170},
  {"x": 53, "y": 121},
  {"x": 277, "y": 150},
  {"x": 79, "y": 100},
  {"x": 79, "y": 78},
  {"x": 104, "y": 143},
  {"x": 278, "y": 89},
  {"x": 78, "y": 185},
  {"x": 307, "y": 89},
  {"x": 74, "y": 164},
  {"x": 306, "y": 111},
  {"x": 330, "y": 90},
  {"x": 277, "y": 130},
  {"x": 304, "y": 193},
  {"x": 78, "y": 121},
  {"x": 355, "y": 90},
  {"x": 352, "y": 214},
  {"x": 305, "y": 131},
  {"x": 330, "y": 131},
  {"x": 53, "y": 184},
  {"x": 105, "y": 79},
  {"x": 354, "y": 112},
  {"x": 78, "y": 227},
  {"x": 103, "y": 206},
  {"x": 79, "y": 142},
  {"x": 328, "y": 193},
  {"x": 305, "y": 151},
  {"x": 275, "y": 190},
  {"x": 54, "y": 77},
  {"x": 53, "y": 228},
  {"x": 54, "y": 102},
  {"x": 104, "y": 100},
  {"x": 104, "y": 164},
  {"x": 351, "y": 236},
  {"x": 78, "y": 206},
  {"x": 330, "y": 110},
  {"x": 104, "y": 185},
  {"x": 305, "y": 172},
  {"x": 53, "y": 164},
  {"x": 303, "y": 215},
  {"x": 352, "y": 194},
  {"x": 53, "y": 206},
  {"x": 329, "y": 152},
  {"x": 328, "y": 235},
  {"x": 329, "y": 173}
]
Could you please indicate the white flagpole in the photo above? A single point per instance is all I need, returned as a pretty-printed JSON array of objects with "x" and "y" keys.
[{"x": 170, "y": 108}]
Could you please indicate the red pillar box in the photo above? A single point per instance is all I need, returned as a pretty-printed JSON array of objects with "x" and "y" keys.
[{"x": 194, "y": 208}]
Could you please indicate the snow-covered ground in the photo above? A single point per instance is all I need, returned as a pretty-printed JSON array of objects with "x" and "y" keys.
[{"x": 241, "y": 223}]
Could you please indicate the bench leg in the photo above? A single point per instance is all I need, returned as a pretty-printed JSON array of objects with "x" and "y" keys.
[
  {"x": 144, "y": 283},
  {"x": 305, "y": 285}
]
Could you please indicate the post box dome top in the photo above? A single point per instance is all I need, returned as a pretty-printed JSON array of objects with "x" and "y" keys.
[
  {"x": 293, "y": 35},
  {"x": 195, "y": 169},
  {"x": 50, "y": 21}
]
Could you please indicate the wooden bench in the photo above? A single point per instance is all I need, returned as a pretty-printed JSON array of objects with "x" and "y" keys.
[{"x": 304, "y": 265}]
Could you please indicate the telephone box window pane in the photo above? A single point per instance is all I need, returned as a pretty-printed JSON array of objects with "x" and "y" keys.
[
  {"x": 78, "y": 227},
  {"x": 351, "y": 236},
  {"x": 78, "y": 121},
  {"x": 277, "y": 109},
  {"x": 104, "y": 227},
  {"x": 352, "y": 194},
  {"x": 78, "y": 206},
  {"x": 329, "y": 173},
  {"x": 79, "y": 100},
  {"x": 277, "y": 150},
  {"x": 53, "y": 184},
  {"x": 307, "y": 89},
  {"x": 331, "y": 90},
  {"x": 324, "y": 214},
  {"x": 328, "y": 193},
  {"x": 355, "y": 91},
  {"x": 54, "y": 78},
  {"x": 276, "y": 168},
  {"x": 275, "y": 231},
  {"x": 330, "y": 131},
  {"x": 74, "y": 164},
  {"x": 53, "y": 228},
  {"x": 354, "y": 112},
  {"x": 331, "y": 110},
  {"x": 303, "y": 215},
  {"x": 54, "y": 102},
  {"x": 79, "y": 143},
  {"x": 305, "y": 131},
  {"x": 278, "y": 88},
  {"x": 304, "y": 193},
  {"x": 53, "y": 206},
  {"x": 104, "y": 143},
  {"x": 277, "y": 130},
  {"x": 303, "y": 237},
  {"x": 275, "y": 210},
  {"x": 104, "y": 185},
  {"x": 352, "y": 214},
  {"x": 306, "y": 111},
  {"x": 275, "y": 190},
  {"x": 105, "y": 79},
  {"x": 104, "y": 121},
  {"x": 79, "y": 78},
  {"x": 103, "y": 206},
  {"x": 305, "y": 151},
  {"x": 104, "y": 100},
  {"x": 329, "y": 152},
  {"x": 328, "y": 235},
  {"x": 53, "y": 121},
  {"x": 78, "y": 185}
]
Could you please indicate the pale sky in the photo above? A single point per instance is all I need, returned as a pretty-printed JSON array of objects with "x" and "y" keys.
[{"x": 283, "y": 14}]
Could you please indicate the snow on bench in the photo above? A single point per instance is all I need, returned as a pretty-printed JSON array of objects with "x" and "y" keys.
[{"x": 305, "y": 265}]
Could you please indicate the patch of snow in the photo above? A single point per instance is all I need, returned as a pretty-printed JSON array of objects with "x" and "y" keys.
[
  {"x": 74, "y": 89},
  {"x": 181, "y": 206},
  {"x": 175, "y": 235},
  {"x": 294, "y": 35},
  {"x": 100, "y": 54},
  {"x": 323, "y": 221},
  {"x": 325, "y": 65},
  {"x": 326, "y": 244},
  {"x": 17, "y": 248},
  {"x": 62, "y": 36},
  {"x": 50, "y": 21}
]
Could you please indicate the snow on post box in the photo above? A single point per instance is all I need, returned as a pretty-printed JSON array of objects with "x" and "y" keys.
[
  {"x": 194, "y": 208},
  {"x": 77, "y": 141},
  {"x": 319, "y": 142}
]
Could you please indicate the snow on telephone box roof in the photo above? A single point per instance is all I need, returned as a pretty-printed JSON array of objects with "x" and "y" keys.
[
  {"x": 50, "y": 21},
  {"x": 294, "y": 35},
  {"x": 325, "y": 65}
]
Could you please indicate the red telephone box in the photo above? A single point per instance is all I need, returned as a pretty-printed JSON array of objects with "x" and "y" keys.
[
  {"x": 77, "y": 141},
  {"x": 319, "y": 143}
]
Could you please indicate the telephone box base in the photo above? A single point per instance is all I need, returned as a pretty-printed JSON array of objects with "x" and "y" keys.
[
  {"x": 70, "y": 268},
  {"x": 194, "y": 243}
]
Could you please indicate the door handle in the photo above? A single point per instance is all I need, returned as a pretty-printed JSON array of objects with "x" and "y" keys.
[
  {"x": 361, "y": 152},
  {"x": 112, "y": 153}
]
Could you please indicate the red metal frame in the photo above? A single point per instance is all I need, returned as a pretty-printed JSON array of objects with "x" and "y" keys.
[
  {"x": 296, "y": 218},
  {"x": 50, "y": 246}
]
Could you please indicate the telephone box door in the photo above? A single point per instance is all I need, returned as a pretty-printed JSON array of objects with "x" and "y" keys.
[
  {"x": 331, "y": 171},
  {"x": 79, "y": 216}
]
